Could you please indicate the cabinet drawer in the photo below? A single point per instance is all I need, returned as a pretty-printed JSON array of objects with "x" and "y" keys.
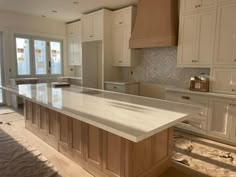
[
  {"x": 188, "y": 6},
  {"x": 115, "y": 88},
  {"x": 189, "y": 99},
  {"x": 194, "y": 126},
  {"x": 122, "y": 18}
]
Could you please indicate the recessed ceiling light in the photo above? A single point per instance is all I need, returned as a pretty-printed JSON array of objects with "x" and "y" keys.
[
  {"x": 76, "y": 2},
  {"x": 54, "y": 11}
]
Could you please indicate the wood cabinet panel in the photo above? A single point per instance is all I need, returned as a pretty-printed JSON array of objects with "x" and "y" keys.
[
  {"x": 101, "y": 153},
  {"x": 28, "y": 111},
  {"x": 64, "y": 129},
  {"x": 35, "y": 114},
  {"x": 77, "y": 135},
  {"x": 53, "y": 127},
  {"x": 160, "y": 153},
  {"x": 43, "y": 118},
  {"x": 93, "y": 149},
  {"x": 113, "y": 155}
]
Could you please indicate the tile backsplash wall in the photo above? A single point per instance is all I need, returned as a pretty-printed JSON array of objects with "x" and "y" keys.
[{"x": 158, "y": 65}]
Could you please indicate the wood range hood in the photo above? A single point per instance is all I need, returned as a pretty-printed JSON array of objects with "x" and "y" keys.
[{"x": 156, "y": 24}]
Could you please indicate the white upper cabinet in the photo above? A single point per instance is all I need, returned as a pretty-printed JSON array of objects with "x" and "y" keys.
[
  {"x": 121, "y": 32},
  {"x": 225, "y": 50},
  {"x": 189, "y": 6},
  {"x": 224, "y": 80},
  {"x": 196, "y": 39},
  {"x": 74, "y": 48},
  {"x": 92, "y": 26}
]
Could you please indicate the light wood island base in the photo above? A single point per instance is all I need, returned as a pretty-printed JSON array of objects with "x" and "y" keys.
[{"x": 101, "y": 153}]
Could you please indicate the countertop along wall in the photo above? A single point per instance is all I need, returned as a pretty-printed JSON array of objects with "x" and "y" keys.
[
  {"x": 158, "y": 65},
  {"x": 15, "y": 23}
]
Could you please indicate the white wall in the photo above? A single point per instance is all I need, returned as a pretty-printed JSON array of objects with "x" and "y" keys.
[{"x": 15, "y": 23}]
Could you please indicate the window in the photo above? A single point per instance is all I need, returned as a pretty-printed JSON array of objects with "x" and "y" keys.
[
  {"x": 40, "y": 57},
  {"x": 23, "y": 56},
  {"x": 45, "y": 58},
  {"x": 55, "y": 50}
]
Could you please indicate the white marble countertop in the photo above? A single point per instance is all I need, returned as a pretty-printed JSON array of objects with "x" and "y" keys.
[
  {"x": 121, "y": 82},
  {"x": 209, "y": 94},
  {"x": 132, "y": 117}
]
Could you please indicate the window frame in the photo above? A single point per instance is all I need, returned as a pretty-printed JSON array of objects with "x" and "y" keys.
[{"x": 32, "y": 55}]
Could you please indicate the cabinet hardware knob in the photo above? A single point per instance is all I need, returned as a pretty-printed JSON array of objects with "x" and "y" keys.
[
  {"x": 91, "y": 36},
  {"x": 235, "y": 60},
  {"x": 120, "y": 61},
  {"x": 233, "y": 90},
  {"x": 114, "y": 87},
  {"x": 199, "y": 5},
  {"x": 194, "y": 61},
  {"x": 185, "y": 97},
  {"x": 196, "y": 6},
  {"x": 120, "y": 22}
]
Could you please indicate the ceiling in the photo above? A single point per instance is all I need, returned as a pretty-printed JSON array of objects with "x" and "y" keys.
[{"x": 67, "y": 10}]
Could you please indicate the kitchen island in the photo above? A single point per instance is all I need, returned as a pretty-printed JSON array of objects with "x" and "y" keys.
[{"x": 108, "y": 134}]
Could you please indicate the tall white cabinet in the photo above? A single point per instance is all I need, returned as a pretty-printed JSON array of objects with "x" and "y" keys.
[
  {"x": 196, "y": 34},
  {"x": 74, "y": 46},
  {"x": 225, "y": 51},
  {"x": 122, "y": 22}
]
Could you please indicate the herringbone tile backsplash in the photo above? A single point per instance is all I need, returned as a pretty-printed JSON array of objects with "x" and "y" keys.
[{"x": 158, "y": 65}]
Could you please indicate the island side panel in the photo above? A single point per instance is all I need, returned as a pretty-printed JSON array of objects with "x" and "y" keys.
[{"x": 101, "y": 153}]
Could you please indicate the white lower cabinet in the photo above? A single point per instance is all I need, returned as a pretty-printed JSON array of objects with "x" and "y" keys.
[
  {"x": 196, "y": 123},
  {"x": 220, "y": 115},
  {"x": 132, "y": 89},
  {"x": 217, "y": 119}
]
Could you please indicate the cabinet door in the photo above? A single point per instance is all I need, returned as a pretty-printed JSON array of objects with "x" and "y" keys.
[
  {"x": 205, "y": 42},
  {"x": 219, "y": 118},
  {"x": 222, "y": 80},
  {"x": 77, "y": 51},
  {"x": 125, "y": 45},
  {"x": 187, "y": 41},
  {"x": 98, "y": 26},
  {"x": 226, "y": 36},
  {"x": 74, "y": 50},
  {"x": 233, "y": 123},
  {"x": 70, "y": 50},
  {"x": 117, "y": 46},
  {"x": 87, "y": 28}
]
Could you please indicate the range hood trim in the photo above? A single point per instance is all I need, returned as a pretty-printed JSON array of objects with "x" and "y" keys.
[{"x": 161, "y": 20}]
